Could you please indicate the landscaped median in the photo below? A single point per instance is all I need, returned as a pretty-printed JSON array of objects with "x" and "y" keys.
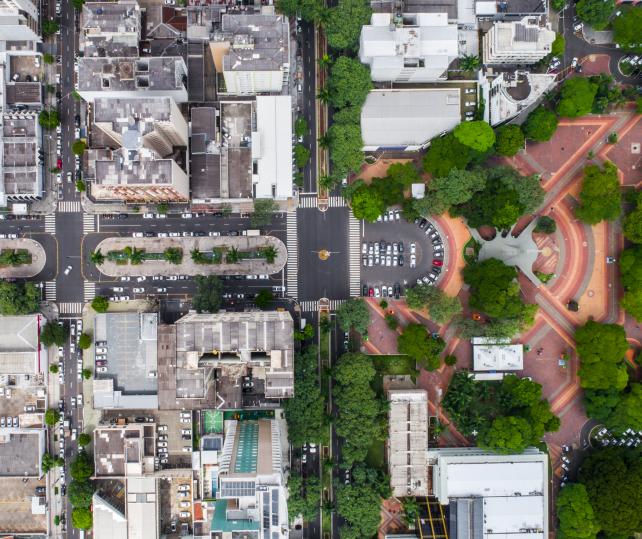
[
  {"x": 21, "y": 258},
  {"x": 253, "y": 255}
]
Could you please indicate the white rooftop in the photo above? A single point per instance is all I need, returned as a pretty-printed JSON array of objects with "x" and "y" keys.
[
  {"x": 498, "y": 358},
  {"x": 494, "y": 479}
]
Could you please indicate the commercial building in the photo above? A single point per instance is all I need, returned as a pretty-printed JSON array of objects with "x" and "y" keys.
[
  {"x": 488, "y": 356},
  {"x": 406, "y": 120},
  {"x": 19, "y": 21},
  {"x": 122, "y": 451},
  {"x": 519, "y": 42},
  {"x": 408, "y": 442},
  {"x": 491, "y": 494},
  {"x": 21, "y": 452},
  {"x": 508, "y": 10},
  {"x": 111, "y": 29},
  {"x": 251, "y": 53},
  {"x": 150, "y": 161},
  {"x": 20, "y": 351},
  {"x": 415, "y": 47}
]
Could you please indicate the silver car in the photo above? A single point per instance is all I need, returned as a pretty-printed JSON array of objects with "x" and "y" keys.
[
  {"x": 388, "y": 260},
  {"x": 370, "y": 260}
]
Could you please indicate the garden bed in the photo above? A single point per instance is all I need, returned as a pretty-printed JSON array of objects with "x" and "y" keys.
[
  {"x": 471, "y": 259},
  {"x": 544, "y": 277},
  {"x": 14, "y": 258}
]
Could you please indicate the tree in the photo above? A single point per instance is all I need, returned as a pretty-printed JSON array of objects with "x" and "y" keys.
[
  {"x": 232, "y": 256},
  {"x": 476, "y": 135},
  {"x": 306, "y": 504},
  {"x": 496, "y": 206},
  {"x": 47, "y": 463},
  {"x": 82, "y": 518},
  {"x": 325, "y": 325},
  {"x": 346, "y": 147},
  {"x": 546, "y": 225},
  {"x": 524, "y": 392},
  {"x": 632, "y": 303},
  {"x": 97, "y": 258},
  {"x": 577, "y": 94},
  {"x": 46, "y": 57},
  {"x": 450, "y": 360},
  {"x": 509, "y": 140},
  {"x": 53, "y": 369},
  {"x": 597, "y": 13},
  {"x": 83, "y": 440},
  {"x": 445, "y": 153},
  {"x": 430, "y": 204},
  {"x": 599, "y": 403},
  {"x": 494, "y": 291},
  {"x": 506, "y": 435},
  {"x": 300, "y": 127},
  {"x": 410, "y": 213},
  {"x": 346, "y": 21},
  {"x": 86, "y": 374},
  {"x": 84, "y": 341},
  {"x": 627, "y": 413},
  {"x": 269, "y": 253},
  {"x": 210, "y": 292},
  {"x": 49, "y": 119},
  {"x": 415, "y": 342},
  {"x": 301, "y": 155},
  {"x": 367, "y": 204},
  {"x": 327, "y": 181},
  {"x": 632, "y": 227},
  {"x": 558, "y": 45},
  {"x": 81, "y": 467},
  {"x": 306, "y": 334},
  {"x": 162, "y": 209},
  {"x": 324, "y": 62},
  {"x": 627, "y": 29},
  {"x": 81, "y": 187},
  {"x": 410, "y": 508},
  {"x": 79, "y": 147},
  {"x": 52, "y": 334},
  {"x": 600, "y": 197},
  {"x": 304, "y": 412},
  {"x": 263, "y": 299},
  {"x": 404, "y": 173},
  {"x": 631, "y": 267},
  {"x": 264, "y": 208},
  {"x": 52, "y": 417},
  {"x": 49, "y": 27},
  {"x": 601, "y": 349},
  {"x": 323, "y": 95},
  {"x": 349, "y": 82},
  {"x": 531, "y": 194},
  {"x": 441, "y": 307},
  {"x": 391, "y": 322},
  {"x": 80, "y": 493},
  {"x": 353, "y": 313},
  {"x": 100, "y": 304},
  {"x": 459, "y": 186},
  {"x": 173, "y": 255},
  {"x": 76, "y": 95},
  {"x": 390, "y": 190},
  {"x": 469, "y": 63},
  {"x": 614, "y": 487},
  {"x": 540, "y": 124},
  {"x": 575, "y": 514}
]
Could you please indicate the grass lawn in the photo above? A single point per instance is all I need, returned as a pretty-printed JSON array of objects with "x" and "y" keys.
[
  {"x": 476, "y": 246},
  {"x": 374, "y": 458},
  {"x": 324, "y": 347},
  {"x": 327, "y": 523},
  {"x": 392, "y": 364},
  {"x": 544, "y": 277}
]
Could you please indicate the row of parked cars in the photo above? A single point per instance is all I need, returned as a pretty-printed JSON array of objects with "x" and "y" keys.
[
  {"x": 198, "y": 233},
  {"x": 630, "y": 438},
  {"x": 385, "y": 292},
  {"x": 383, "y": 253}
]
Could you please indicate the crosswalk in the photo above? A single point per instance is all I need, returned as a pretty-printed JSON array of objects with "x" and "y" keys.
[
  {"x": 88, "y": 223},
  {"x": 313, "y": 306},
  {"x": 69, "y": 206},
  {"x": 355, "y": 255},
  {"x": 50, "y": 290},
  {"x": 334, "y": 303},
  {"x": 307, "y": 202},
  {"x": 293, "y": 256},
  {"x": 90, "y": 291},
  {"x": 69, "y": 308},
  {"x": 337, "y": 202},
  {"x": 50, "y": 223}
]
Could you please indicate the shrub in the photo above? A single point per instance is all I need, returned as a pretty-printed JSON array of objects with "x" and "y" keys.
[{"x": 450, "y": 360}]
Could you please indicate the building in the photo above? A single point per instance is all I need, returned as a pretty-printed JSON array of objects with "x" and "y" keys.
[
  {"x": 22, "y": 151},
  {"x": 406, "y": 120},
  {"x": 20, "y": 351},
  {"x": 151, "y": 137},
  {"x": 111, "y": 29},
  {"x": 19, "y": 21},
  {"x": 21, "y": 452},
  {"x": 509, "y": 10},
  {"x": 251, "y": 494},
  {"x": 519, "y": 42},
  {"x": 504, "y": 495},
  {"x": 128, "y": 77},
  {"x": 122, "y": 451},
  {"x": 415, "y": 47},
  {"x": 252, "y": 54},
  {"x": 497, "y": 356},
  {"x": 110, "y": 518},
  {"x": 408, "y": 442}
]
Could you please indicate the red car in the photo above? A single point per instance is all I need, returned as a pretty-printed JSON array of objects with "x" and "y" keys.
[
  {"x": 60, "y": 164},
  {"x": 437, "y": 263},
  {"x": 101, "y": 363},
  {"x": 371, "y": 293}
]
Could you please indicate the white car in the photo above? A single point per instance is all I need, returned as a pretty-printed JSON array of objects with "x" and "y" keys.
[
  {"x": 58, "y": 178},
  {"x": 251, "y": 277},
  {"x": 138, "y": 235},
  {"x": 68, "y": 270},
  {"x": 413, "y": 261},
  {"x": 73, "y": 329},
  {"x": 184, "y": 514},
  {"x": 364, "y": 248},
  {"x": 148, "y": 216},
  {"x": 162, "y": 427},
  {"x": 263, "y": 276},
  {"x": 79, "y": 326},
  {"x": 124, "y": 298},
  {"x": 172, "y": 278},
  {"x": 79, "y": 401},
  {"x": 574, "y": 62},
  {"x": 139, "y": 290},
  {"x": 187, "y": 216},
  {"x": 161, "y": 216},
  {"x": 470, "y": 104},
  {"x": 213, "y": 234},
  {"x": 388, "y": 260},
  {"x": 174, "y": 234},
  {"x": 186, "y": 504},
  {"x": 101, "y": 369},
  {"x": 377, "y": 293},
  {"x": 161, "y": 290},
  {"x": 188, "y": 234},
  {"x": 141, "y": 278},
  {"x": 125, "y": 279},
  {"x": 183, "y": 488},
  {"x": 72, "y": 348},
  {"x": 413, "y": 248},
  {"x": 162, "y": 444},
  {"x": 163, "y": 234},
  {"x": 118, "y": 289},
  {"x": 80, "y": 365}
]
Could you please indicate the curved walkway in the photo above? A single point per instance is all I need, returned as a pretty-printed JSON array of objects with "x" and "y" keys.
[
  {"x": 38, "y": 258},
  {"x": 187, "y": 266}
]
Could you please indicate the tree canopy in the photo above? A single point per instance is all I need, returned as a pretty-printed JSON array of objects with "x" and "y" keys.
[
  {"x": 506, "y": 435},
  {"x": 627, "y": 413},
  {"x": 367, "y": 204},
  {"x": 353, "y": 313},
  {"x": 599, "y": 197},
  {"x": 540, "y": 124},
  {"x": 546, "y": 225},
  {"x": 264, "y": 208},
  {"x": 81, "y": 467},
  {"x": 84, "y": 341},
  {"x": 263, "y": 299},
  {"x": 346, "y": 20},
  {"x": 80, "y": 493},
  {"x": 79, "y": 147},
  {"x": 444, "y": 154},
  {"x": 531, "y": 194},
  {"x": 601, "y": 348},
  {"x": 632, "y": 303},
  {"x": 458, "y": 186},
  {"x": 209, "y": 294},
  {"x": 100, "y": 304},
  {"x": 597, "y": 13},
  {"x": 496, "y": 206},
  {"x": 349, "y": 82},
  {"x": 345, "y": 148},
  {"x": 614, "y": 487},
  {"x": 476, "y": 135},
  {"x": 509, "y": 140},
  {"x": 558, "y": 45},
  {"x": 575, "y": 514},
  {"x": 632, "y": 228},
  {"x": 18, "y": 298},
  {"x": 52, "y": 416},
  {"x": 599, "y": 403},
  {"x": 49, "y": 27},
  {"x": 304, "y": 496},
  {"x": 627, "y": 29},
  {"x": 631, "y": 267},
  {"x": 577, "y": 94},
  {"x": 416, "y": 343},
  {"x": 82, "y": 518},
  {"x": 49, "y": 119},
  {"x": 404, "y": 173},
  {"x": 52, "y": 334},
  {"x": 494, "y": 291},
  {"x": 84, "y": 439},
  {"x": 390, "y": 190},
  {"x": 441, "y": 307}
]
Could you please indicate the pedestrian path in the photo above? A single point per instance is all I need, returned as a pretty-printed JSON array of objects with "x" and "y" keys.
[
  {"x": 50, "y": 290},
  {"x": 313, "y": 306},
  {"x": 292, "y": 288},
  {"x": 88, "y": 223},
  {"x": 355, "y": 256},
  {"x": 70, "y": 308},
  {"x": 69, "y": 206},
  {"x": 90, "y": 291},
  {"x": 337, "y": 202},
  {"x": 307, "y": 202},
  {"x": 50, "y": 223}
]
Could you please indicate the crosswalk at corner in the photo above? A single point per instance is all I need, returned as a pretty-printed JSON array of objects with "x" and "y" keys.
[
  {"x": 68, "y": 206},
  {"x": 313, "y": 306},
  {"x": 307, "y": 202},
  {"x": 292, "y": 268},
  {"x": 70, "y": 308},
  {"x": 50, "y": 223},
  {"x": 337, "y": 202},
  {"x": 50, "y": 290},
  {"x": 354, "y": 227},
  {"x": 90, "y": 291},
  {"x": 88, "y": 223}
]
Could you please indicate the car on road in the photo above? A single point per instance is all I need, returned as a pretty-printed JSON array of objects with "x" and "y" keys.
[
  {"x": 183, "y": 488},
  {"x": 183, "y": 277},
  {"x": 58, "y": 178},
  {"x": 172, "y": 278},
  {"x": 470, "y": 104},
  {"x": 101, "y": 369},
  {"x": 188, "y": 234},
  {"x": 141, "y": 278},
  {"x": 232, "y": 233},
  {"x": 162, "y": 444},
  {"x": 149, "y": 234},
  {"x": 157, "y": 278},
  {"x": 122, "y": 216},
  {"x": 69, "y": 177},
  {"x": 139, "y": 290},
  {"x": 413, "y": 261},
  {"x": 68, "y": 270},
  {"x": 101, "y": 350},
  {"x": 163, "y": 234},
  {"x": 574, "y": 63},
  {"x": 214, "y": 234},
  {"x": 187, "y": 216},
  {"x": 137, "y": 234},
  {"x": 423, "y": 223},
  {"x": 365, "y": 290},
  {"x": 59, "y": 164},
  {"x": 437, "y": 263},
  {"x": 364, "y": 248},
  {"x": 174, "y": 234},
  {"x": 578, "y": 26},
  {"x": 388, "y": 260},
  {"x": 15, "y": 237},
  {"x": 124, "y": 298},
  {"x": 377, "y": 293},
  {"x": 148, "y": 216},
  {"x": 125, "y": 279}
]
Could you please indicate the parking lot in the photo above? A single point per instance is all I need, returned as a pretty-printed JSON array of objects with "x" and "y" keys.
[
  {"x": 170, "y": 502},
  {"x": 376, "y": 276},
  {"x": 21, "y": 396},
  {"x": 26, "y": 66},
  {"x": 15, "y": 507}
]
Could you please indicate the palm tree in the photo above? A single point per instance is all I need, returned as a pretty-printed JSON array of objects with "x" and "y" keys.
[
  {"x": 323, "y": 16},
  {"x": 469, "y": 63},
  {"x": 549, "y": 96},
  {"x": 324, "y": 62},
  {"x": 10, "y": 258},
  {"x": 97, "y": 258},
  {"x": 410, "y": 508},
  {"x": 327, "y": 182},
  {"x": 326, "y": 325},
  {"x": 232, "y": 256},
  {"x": 384, "y": 404},
  {"x": 484, "y": 392},
  {"x": 269, "y": 253},
  {"x": 620, "y": 102},
  {"x": 602, "y": 103},
  {"x": 328, "y": 371},
  {"x": 439, "y": 428},
  {"x": 135, "y": 255},
  {"x": 174, "y": 255},
  {"x": 323, "y": 96},
  {"x": 196, "y": 255},
  {"x": 329, "y": 508},
  {"x": 591, "y": 155},
  {"x": 324, "y": 141},
  {"x": 328, "y": 462}
]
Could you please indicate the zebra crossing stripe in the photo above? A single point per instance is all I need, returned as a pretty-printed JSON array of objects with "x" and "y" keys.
[
  {"x": 90, "y": 291},
  {"x": 70, "y": 308},
  {"x": 337, "y": 202},
  {"x": 308, "y": 202},
  {"x": 50, "y": 223},
  {"x": 292, "y": 263},
  {"x": 355, "y": 253},
  {"x": 309, "y": 306},
  {"x": 88, "y": 223},
  {"x": 69, "y": 206},
  {"x": 50, "y": 290}
]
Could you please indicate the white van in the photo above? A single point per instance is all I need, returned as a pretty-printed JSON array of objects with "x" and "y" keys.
[{"x": 278, "y": 289}]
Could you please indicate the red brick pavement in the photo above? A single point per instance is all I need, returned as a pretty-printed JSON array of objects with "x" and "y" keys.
[
  {"x": 621, "y": 154},
  {"x": 546, "y": 263}
]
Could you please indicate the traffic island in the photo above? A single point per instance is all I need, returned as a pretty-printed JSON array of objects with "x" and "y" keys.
[
  {"x": 225, "y": 255},
  {"x": 21, "y": 257}
]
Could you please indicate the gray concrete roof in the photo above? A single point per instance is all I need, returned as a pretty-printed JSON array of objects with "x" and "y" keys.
[{"x": 20, "y": 455}]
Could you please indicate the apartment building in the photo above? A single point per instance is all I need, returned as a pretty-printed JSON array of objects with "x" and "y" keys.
[
  {"x": 519, "y": 42},
  {"x": 111, "y": 29},
  {"x": 19, "y": 21}
]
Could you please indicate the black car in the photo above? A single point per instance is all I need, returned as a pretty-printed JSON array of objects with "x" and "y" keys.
[
  {"x": 78, "y": 175},
  {"x": 401, "y": 246},
  {"x": 41, "y": 490},
  {"x": 199, "y": 233},
  {"x": 401, "y": 260},
  {"x": 382, "y": 247},
  {"x": 247, "y": 390},
  {"x": 186, "y": 437},
  {"x": 140, "y": 420},
  {"x": 219, "y": 215},
  {"x": 63, "y": 490},
  {"x": 122, "y": 216},
  {"x": 239, "y": 277},
  {"x": 232, "y": 233},
  {"x": 423, "y": 223},
  {"x": 436, "y": 269},
  {"x": 397, "y": 288},
  {"x": 365, "y": 290},
  {"x": 226, "y": 277},
  {"x": 59, "y": 95},
  {"x": 28, "y": 78},
  {"x": 436, "y": 240},
  {"x": 149, "y": 234},
  {"x": 77, "y": 120}
]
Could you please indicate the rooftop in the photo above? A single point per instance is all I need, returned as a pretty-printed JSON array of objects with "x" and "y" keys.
[
  {"x": 111, "y": 17},
  {"x": 236, "y": 154},
  {"x": 19, "y": 344},
  {"x": 109, "y": 521},
  {"x": 122, "y": 450},
  {"x": 22, "y": 451},
  {"x": 165, "y": 22},
  {"x": 205, "y": 168},
  {"x": 420, "y": 6}
]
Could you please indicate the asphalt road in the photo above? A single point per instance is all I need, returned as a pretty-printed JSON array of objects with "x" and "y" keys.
[{"x": 308, "y": 109}]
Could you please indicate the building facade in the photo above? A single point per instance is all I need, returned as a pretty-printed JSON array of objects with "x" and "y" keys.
[{"x": 519, "y": 42}]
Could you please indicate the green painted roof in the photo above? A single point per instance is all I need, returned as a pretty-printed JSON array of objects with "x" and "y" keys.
[
  {"x": 221, "y": 524},
  {"x": 247, "y": 449}
]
